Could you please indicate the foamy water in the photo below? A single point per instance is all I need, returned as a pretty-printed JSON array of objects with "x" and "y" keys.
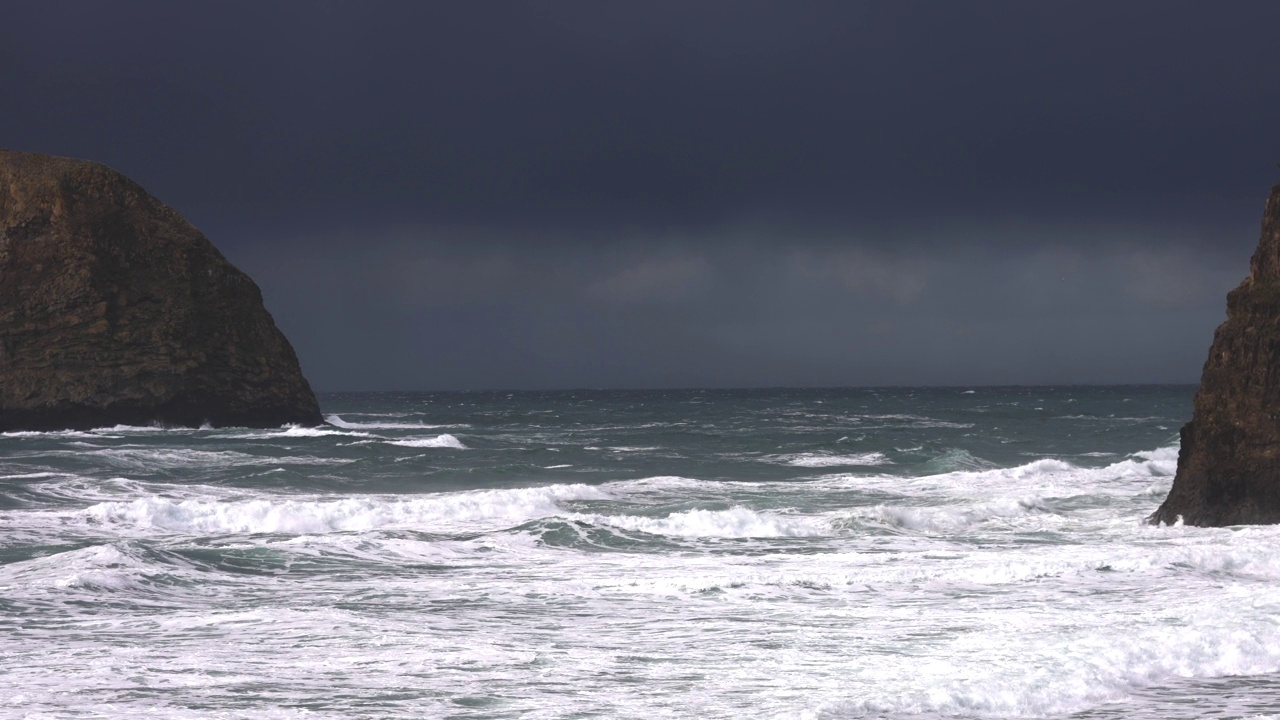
[{"x": 778, "y": 554}]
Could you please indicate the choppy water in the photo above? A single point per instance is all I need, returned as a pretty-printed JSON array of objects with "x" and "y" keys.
[{"x": 792, "y": 554}]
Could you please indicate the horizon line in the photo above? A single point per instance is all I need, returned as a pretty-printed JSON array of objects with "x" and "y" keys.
[{"x": 692, "y": 388}]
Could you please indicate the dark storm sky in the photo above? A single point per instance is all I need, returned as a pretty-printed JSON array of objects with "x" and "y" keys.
[{"x": 480, "y": 195}]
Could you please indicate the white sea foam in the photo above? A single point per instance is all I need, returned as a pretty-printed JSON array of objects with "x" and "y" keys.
[
  {"x": 957, "y": 459},
  {"x": 964, "y": 590},
  {"x": 440, "y": 441},
  {"x": 661, "y": 484},
  {"x": 97, "y": 569},
  {"x": 921, "y": 422},
  {"x": 337, "y": 420},
  {"x": 42, "y": 434},
  {"x": 1063, "y": 674},
  {"x": 822, "y": 459},
  {"x": 294, "y": 431},
  {"x": 142, "y": 429},
  {"x": 148, "y": 458},
  {"x": 1145, "y": 472},
  {"x": 951, "y": 519},
  {"x": 30, "y": 476},
  {"x": 738, "y": 522},
  {"x": 304, "y": 431},
  {"x": 481, "y": 508}
]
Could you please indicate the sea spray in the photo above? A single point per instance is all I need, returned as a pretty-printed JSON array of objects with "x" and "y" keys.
[{"x": 711, "y": 554}]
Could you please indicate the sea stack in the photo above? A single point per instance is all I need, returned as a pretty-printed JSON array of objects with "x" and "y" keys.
[
  {"x": 115, "y": 310},
  {"x": 1229, "y": 464}
]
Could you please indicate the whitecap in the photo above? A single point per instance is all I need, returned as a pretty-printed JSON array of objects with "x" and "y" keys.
[
  {"x": 46, "y": 434},
  {"x": 440, "y": 441},
  {"x": 951, "y": 519},
  {"x": 337, "y": 421},
  {"x": 821, "y": 459},
  {"x": 736, "y": 522},
  {"x": 434, "y": 513},
  {"x": 305, "y": 431},
  {"x": 151, "y": 458}
]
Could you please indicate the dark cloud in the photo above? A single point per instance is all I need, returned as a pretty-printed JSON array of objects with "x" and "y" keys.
[
  {"x": 446, "y": 307},
  {"x": 451, "y": 195}
]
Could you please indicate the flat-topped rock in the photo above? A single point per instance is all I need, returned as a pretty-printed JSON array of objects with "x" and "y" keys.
[
  {"x": 115, "y": 310},
  {"x": 1229, "y": 464}
]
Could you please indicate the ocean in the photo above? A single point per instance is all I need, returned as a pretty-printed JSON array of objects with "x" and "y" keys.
[{"x": 823, "y": 553}]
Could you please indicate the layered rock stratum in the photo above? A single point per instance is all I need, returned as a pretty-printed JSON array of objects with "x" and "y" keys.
[
  {"x": 1229, "y": 463},
  {"x": 115, "y": 310}
]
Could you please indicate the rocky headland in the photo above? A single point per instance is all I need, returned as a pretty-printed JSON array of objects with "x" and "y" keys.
[
  {"x": 115, "y": 310},
  {"x": 1229, "y": 464}
]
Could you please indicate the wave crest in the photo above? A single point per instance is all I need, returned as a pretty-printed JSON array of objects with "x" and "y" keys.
[
  {"x": 440, "y": 441},
  {"x": 445, "y": 512}
]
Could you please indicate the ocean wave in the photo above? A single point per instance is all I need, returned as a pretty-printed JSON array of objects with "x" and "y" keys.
[
  {"x": 39, "y": 433},
  {"x": 440, "y": 441},
  {"x": 146, "y": 429},
  {"x": 659, "y": 483},
  {"x": 952, "y": 519},
  {"x": 1059, "y": 676},
  {"x": 56, "y": 434},
  {"x": 921, "y": 422},
  {"x": 32, "y": 476},
  {"x": 152, "y": 458},
  {"x": 1158, "y": 463},
  {"x": 96, "y": 568},
  {"x": 823, "y": 459},
  {"x": 337, "y": 421},
  {"x": 736, "y": 522},
  {"x": 444, "y": 512},
  {"x": 105, "y": 431},
  {"x": 956, "y": 459},
  {"x": 1162, "y": 460},
  {"x": 294, "y": 431},
  {"x": 1127, "y": 485},
  {"x": 61, "y": 488}
]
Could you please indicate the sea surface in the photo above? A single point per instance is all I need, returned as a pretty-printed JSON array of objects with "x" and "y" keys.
[{"x": 886, "y": 553}]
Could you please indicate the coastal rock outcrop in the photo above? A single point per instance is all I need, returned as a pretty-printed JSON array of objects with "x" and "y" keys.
[
  {"x": 115, "y": 310},
  {"x": 1229, "y": 464}
]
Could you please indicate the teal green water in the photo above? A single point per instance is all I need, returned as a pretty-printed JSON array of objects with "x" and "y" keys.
[{"x": 952, "y": 552}]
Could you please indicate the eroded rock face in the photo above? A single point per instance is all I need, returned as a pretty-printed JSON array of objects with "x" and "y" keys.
[
  {"x": 1229, "y": 465},
  {"x": 115, "y": 310}
]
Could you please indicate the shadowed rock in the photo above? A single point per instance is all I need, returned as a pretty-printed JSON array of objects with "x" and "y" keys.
[
  {"x": 115, "y": 310},
  {"x": 1229, "y": 464}
]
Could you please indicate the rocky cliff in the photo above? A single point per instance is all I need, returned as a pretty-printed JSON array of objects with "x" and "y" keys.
[
  {"x": 115, "y": 310},
  {"x": 1229, "y": 465}
]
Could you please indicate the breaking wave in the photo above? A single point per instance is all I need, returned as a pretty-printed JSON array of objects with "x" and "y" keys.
[
  {"x": 440, "y": 441},
  {"x": 737, "y": 522},
  {"x": 346, "y": 425},
  {"x": 486, "y": 508},
  {"x": 819, "y": 459}
]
